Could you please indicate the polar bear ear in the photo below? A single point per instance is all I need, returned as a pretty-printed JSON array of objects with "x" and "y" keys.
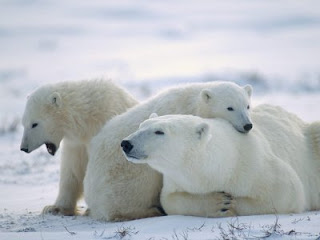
[
  {"x": 202, "y": 130},
  {"x": 248, "y": 89},
  {"x": 206, "y": 95},
  {"x": 153, "y": 115},
  {"x": 55, "y": 99}
]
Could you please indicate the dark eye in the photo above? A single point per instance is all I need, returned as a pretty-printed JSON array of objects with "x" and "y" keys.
[
  {"x": 248, "y": 107},
  {"x": 230, "y": 109},
  {"x": 34, "y": 125},
  {"x": 159, "y": 132}
]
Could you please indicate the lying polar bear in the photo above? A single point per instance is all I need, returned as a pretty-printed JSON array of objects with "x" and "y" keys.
[
  {"x": 275, "y": 168},
  {"x": 115, "y": 189}
]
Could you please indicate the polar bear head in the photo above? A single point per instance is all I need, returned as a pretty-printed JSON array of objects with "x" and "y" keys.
[
  {"x": 161, "y": 139},
  {"x": 229, "y": 101},
  {"x": 42, "y": 121}
]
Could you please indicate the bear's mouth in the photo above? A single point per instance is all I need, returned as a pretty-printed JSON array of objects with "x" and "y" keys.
[
  {"x": 131, "y": 156},
  {"x": 136, "y": 159},
  {"x": 51, "y": 148}
]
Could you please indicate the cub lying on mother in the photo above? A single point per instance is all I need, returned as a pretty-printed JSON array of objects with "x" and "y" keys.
[
  {"x": 274, "y": 168},
  {"x": 115, "y": 189}
]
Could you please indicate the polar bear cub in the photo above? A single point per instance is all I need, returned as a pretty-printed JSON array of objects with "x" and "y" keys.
[
  {"x": 73, "y": 112},
  {"x": 128, "y": 191},
  {"x": 269, "y": 170}
]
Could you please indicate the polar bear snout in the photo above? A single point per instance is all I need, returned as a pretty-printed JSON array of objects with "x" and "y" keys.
[
  {"x": 247, "y": 127},
  {"x": 132, "y": 152},
  {"x": 24, "y": 149},
  {"x": 126, "y": 146}
]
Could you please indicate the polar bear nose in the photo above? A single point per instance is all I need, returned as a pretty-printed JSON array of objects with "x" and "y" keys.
[
  {"x": 126, "y": 146},
  {"x": 24, "y": 149},
  {"x": 247, "y": 127}
]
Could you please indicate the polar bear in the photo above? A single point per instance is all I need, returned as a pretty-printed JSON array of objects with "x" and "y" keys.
[
  {"x": 73, "y": 112},
  {"x": 115, "y": 189},
  {"x": 271, "y": 170}
]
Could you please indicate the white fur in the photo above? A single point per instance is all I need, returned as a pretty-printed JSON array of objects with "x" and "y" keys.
[
  {"x": 73, "y": 112},
  {"x": 273, "y": 169},
  {"x": 115, "y": 189}
]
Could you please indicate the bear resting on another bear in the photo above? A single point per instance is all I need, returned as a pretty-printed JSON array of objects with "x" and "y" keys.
[{"x": 273, "y": 169}]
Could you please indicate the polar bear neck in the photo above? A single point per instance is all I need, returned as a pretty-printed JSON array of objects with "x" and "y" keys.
[
  {"x": 180, "y": 100},
  {"x": 87, "y": 105},
  {"x": 230, "y": 159},
  {"x": 216, "y": 166}
]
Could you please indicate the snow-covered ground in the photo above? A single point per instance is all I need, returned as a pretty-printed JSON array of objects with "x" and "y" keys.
[{"x": 146, "y": 46}]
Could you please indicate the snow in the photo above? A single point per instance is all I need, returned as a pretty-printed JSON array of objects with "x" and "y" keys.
[
  {"x": 146, "y": 46},
  {"x": 21, "y": 220}
]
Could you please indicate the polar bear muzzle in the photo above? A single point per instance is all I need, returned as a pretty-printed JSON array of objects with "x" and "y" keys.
[
  {"x": 131, "y": 152},
  {"x": 247, "y": 127},
  {"x": 126, "y": 146}
]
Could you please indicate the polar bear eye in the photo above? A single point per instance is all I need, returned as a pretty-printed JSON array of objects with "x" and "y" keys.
[
  {"x": 248, "y": 107},
  {"x": 159, "y": 132},
  {"x": 230, "y": 109},
  {"x": 34, "y": 125}
]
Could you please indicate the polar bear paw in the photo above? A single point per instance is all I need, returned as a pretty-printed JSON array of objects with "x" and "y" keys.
[
  {"x": 56, "y": 210},
  {"x": 225, "y": 205},
  {"x": 87, "y": 212}
]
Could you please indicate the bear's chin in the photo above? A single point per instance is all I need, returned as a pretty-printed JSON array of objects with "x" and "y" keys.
[{"x": 51, "y": 148}]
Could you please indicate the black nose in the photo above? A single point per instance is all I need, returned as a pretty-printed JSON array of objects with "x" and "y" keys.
[
  {"x": 247, "y": 127},
  {"x": 126, "y": 146},
  {"x": 24, "y": 149}
]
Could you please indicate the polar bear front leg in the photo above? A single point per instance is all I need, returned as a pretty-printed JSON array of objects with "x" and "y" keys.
[
  {"x": 217, "y": 204},
  {"x": 74, "y": 159}
]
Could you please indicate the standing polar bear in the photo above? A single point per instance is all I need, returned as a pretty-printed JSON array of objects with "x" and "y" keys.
[
  {"x": 73, "y": 112},
  {"x": 115, "y": 189},
  {"x": 274, "y": 169}
]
